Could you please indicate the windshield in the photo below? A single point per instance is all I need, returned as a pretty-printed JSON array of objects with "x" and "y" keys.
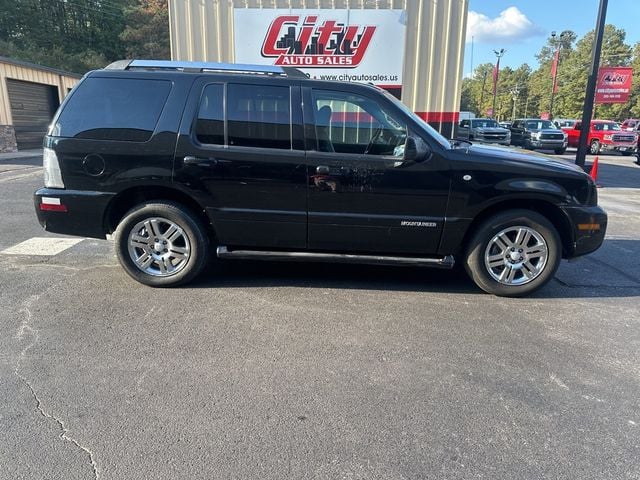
[
  {"x": 437, "y": 136},
  {"x": 484, "y": 123},
  {"x": 540, "y": 124}
]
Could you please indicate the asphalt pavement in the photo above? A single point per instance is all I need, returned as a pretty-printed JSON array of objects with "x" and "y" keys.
[{"x": 311, "y": 371}]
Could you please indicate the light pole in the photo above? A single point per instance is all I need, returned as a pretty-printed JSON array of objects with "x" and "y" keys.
[
  {"x": 496, "y": 74},
  {"x": 515, "y": 91},
  {"x": 591, "y": 85},
  {"x": 554, "y": 68}
]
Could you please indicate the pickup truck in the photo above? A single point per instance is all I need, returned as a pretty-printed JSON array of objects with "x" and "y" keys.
[
  {"x": 535, "y": 133},
  {"x": 483, "y": 130},
  {"x": 604, "y": 135}
]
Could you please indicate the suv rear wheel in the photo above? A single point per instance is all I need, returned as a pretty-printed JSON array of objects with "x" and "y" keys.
[
  {"x": 513, "y": 253},
  {"x": 161, "y": 244}
]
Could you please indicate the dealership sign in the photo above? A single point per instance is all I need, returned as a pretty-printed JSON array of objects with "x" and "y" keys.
[
  {"x": 348, "y": 45},
  {"x": 614, "y": 84}
]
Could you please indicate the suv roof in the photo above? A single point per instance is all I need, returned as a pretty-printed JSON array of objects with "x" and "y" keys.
[{"x": 203, "y": 67}]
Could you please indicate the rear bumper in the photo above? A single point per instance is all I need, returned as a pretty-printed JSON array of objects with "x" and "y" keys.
[
  {"x": 589, "y": 225},
  {"x": 72, "y": 212}
]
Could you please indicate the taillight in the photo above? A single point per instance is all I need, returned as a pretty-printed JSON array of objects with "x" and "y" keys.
[{"x": 51, "y": 166}]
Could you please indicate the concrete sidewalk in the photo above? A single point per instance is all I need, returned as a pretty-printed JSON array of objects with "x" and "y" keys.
[{"x": 7, "y": 157}]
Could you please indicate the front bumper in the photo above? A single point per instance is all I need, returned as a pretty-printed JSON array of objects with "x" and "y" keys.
[
  {"x": 548, "y": 144},
  {"x": 589, "y": 226},
  {"x": 620, "y": 147},
  {"x": 74, "y": 212},
  {"x": 494, "y": 141}
]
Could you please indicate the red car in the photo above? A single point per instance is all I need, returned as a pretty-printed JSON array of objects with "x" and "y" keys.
[{"x": 604, "y": 135}]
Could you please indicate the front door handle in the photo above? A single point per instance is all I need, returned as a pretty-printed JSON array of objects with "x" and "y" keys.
[
  {"x": 201, "y": 162},
  {"x": 322, "y": 170}
]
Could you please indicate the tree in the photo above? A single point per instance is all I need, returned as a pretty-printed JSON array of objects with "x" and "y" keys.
[{"x": 146, "y": 34}]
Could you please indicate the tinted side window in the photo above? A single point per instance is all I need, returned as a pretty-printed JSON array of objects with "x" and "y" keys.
[
  {"x": 113, "y": 109},
  {"x": 210, "y": 122},
  {"x": 348, "y": 123},
  {"x": 259, "y": 116}
]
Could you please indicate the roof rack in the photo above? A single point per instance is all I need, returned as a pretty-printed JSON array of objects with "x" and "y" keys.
[{"x": 204, "y": 67}]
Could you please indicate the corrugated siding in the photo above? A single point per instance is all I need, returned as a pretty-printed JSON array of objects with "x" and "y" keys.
[
  {"x": 19, "y": 72},
  {"x": 202, "y": 30}
]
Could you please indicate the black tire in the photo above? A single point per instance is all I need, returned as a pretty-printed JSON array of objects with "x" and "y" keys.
[
  {"x": 626, "y": 154},
  {"x": 486, "y": 233},
  {"x": 594, "y": 147},
  {"x": 188, "y": 245},
  {"x": 560, "y": 151},
  {"x": 527, "y": 145}
]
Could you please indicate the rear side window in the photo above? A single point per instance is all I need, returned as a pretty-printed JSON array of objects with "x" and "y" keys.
[
  {"x": 210, "y": 122},
  {"x": 259, "y": 116},
  {"x": 113, "y": 109}
]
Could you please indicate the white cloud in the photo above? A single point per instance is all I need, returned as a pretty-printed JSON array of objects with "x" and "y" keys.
[{"x": 511, "y": 25}]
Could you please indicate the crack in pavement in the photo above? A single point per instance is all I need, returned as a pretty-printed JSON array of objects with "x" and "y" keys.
[{"x": 27, "y": 330}]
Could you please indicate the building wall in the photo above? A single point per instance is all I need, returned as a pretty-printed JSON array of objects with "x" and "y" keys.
[
  {"x": 203, "y": 30},
  {"x": 29, "y": 73}
]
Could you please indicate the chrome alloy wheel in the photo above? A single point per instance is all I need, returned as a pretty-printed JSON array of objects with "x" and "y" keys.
[
  {"x": 516, "y": 255},
  {"x": 159, "y": 247}
]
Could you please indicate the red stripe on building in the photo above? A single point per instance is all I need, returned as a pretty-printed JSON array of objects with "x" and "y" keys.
[{"x": 439, "y": 117}]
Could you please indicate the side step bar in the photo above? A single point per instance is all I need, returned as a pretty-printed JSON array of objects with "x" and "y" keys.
[{"x": 438, "y": 262}]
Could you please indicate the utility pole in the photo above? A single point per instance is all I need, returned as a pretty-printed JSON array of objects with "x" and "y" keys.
[
  {"x": 554, "y": 69},
  {"x": 591, "y": 86},
  {"x": 496, "y": 75},
  {"x": 515, "y": 91}
]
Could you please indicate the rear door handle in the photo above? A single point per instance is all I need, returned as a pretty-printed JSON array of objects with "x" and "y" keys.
[{"x": 201, "y": 162}]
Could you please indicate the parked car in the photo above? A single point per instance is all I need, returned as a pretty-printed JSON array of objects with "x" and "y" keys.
[
  {"x": 633, "y": 125},
  {"x": 483, "y": 130},
  {"x": 604, "y": 135},
  {"x": 537, "y": 134},
  {"x": 182, "y": 160}
]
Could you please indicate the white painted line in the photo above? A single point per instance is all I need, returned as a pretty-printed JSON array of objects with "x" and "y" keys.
[{"x": 46, "y": 246}]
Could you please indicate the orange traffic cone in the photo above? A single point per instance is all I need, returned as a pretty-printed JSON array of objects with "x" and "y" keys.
[{"x": 594, "y": 171}]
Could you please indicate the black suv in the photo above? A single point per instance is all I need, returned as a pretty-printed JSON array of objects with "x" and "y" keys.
[{"x": 177, "y": 159}]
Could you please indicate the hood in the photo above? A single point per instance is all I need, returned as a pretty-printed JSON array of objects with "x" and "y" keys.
[
  {"x": 521, "y": 157},
  {"x": 546, "y": 130},
  {"x": 491, "y": 129}
]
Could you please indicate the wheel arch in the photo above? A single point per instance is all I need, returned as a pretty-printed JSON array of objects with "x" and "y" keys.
[
  {"x": 129, "y": 198},
  {"x": 545, "y": 208}
]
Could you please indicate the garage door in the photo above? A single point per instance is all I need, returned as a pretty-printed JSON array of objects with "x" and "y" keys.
[{"x": 32, "y": 108}]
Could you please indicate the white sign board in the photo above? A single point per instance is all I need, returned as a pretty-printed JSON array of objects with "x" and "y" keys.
[{"x": 358, "y": 45}]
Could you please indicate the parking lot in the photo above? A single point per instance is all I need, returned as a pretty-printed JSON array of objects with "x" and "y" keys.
[{"x": 279, "y": 371}]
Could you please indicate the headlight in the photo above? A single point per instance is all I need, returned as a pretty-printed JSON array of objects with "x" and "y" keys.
[
  {"x": 535, "y": 135},
  {"x": 607, "y": 137}
]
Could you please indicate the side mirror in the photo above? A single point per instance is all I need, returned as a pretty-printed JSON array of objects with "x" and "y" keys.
[{"x": 416, "y": 150}]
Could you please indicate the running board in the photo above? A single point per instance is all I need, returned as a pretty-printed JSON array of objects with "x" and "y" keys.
[{"x": 438, "y": 262}]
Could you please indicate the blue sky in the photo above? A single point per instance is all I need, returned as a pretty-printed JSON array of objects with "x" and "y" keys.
[{"x": 523, "y": 26}]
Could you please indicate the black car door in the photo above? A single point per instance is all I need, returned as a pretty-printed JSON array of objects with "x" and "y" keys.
[
  {"x": 240, "y": 153},
  {"x": 363, "y": 196},
  {"x": 517, "y": 132}
]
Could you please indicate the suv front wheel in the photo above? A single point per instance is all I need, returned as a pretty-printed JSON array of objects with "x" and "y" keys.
[
  {"x": 161, "y": 244},
  {"x": 513, "y": 253}
]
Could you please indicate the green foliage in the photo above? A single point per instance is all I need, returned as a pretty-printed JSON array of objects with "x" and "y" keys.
[
  {"x": 147, "y": 32},
  {"x": 535, "y": 86},
  {"x": 81, "y": 35}
]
